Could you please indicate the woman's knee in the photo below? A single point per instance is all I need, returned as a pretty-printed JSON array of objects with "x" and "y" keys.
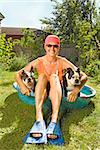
[
  {"x": 41, "y": 84},
  {"x": 54, "y": 80},
  {"x": 42, "y": 77}
]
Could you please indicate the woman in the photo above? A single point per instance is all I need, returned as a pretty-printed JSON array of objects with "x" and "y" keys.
[{"x": 50, "y": 69}]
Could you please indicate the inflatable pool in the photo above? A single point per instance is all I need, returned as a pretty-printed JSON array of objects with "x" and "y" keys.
[{"x": 86, "y": 94}]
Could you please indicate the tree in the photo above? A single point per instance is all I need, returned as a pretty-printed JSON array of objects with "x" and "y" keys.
[
  {"x": 31, "y": 43},
  {"x": 75, "y": 22}
]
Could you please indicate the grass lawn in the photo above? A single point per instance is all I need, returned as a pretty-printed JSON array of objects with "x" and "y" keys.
[{"x": 81, "y": 127}]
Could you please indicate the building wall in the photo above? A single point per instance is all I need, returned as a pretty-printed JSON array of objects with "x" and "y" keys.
[
  {"x": 67, "y": 50},
  {"x": 70, "y": 53}
]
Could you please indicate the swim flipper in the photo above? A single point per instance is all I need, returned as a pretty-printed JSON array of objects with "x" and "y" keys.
[
  {"x": 38, "y": 128},
  {"x": 54, "y": 129}
]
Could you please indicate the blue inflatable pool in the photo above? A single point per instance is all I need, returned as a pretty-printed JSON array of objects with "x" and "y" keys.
[{"x": 86, "y": 94}]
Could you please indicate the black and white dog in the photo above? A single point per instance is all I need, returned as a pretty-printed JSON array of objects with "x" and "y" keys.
[
  {"x": 28, "y": 79},
  {"x": 71, "y": 78}
]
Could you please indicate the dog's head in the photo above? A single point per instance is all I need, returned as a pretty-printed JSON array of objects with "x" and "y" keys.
[
  {"x": 28, "y": 78},
  {"x": 73, "y": 76}
]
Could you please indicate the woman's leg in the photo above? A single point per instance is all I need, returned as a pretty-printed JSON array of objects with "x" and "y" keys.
[
  {"x": 40, "y": 96},
  {"x": 55, "y": 97}
]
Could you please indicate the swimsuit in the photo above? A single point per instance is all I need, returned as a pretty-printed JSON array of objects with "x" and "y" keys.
[{"x": 57, "y": 67}]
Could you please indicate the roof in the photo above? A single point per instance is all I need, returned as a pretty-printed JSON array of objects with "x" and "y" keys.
[
  {"x": 1, "y": 16},
  {"x": 13, "y": 30}
]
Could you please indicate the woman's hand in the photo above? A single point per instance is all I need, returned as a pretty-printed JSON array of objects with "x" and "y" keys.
[
  {"x": 73, "y": 95},
  {"x": 25, "y": 90}
]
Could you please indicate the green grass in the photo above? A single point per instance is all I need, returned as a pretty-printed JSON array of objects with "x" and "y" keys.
[{"x": 80, "y": 127}]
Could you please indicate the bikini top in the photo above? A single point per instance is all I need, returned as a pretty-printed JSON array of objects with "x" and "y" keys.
[{"x": 44, "y": 68}]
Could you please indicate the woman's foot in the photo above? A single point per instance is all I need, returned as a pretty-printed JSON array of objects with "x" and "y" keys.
[
  {"x": 50, "y": 131},
  {"x": 36, "y": 135},
  {"x": 51, "y": 136},
  {"x": 54, "y": 134},
  {"x": 37, "y": 129}
]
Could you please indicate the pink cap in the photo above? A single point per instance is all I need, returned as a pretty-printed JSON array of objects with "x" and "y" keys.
[{"x": 52, "y": 38}]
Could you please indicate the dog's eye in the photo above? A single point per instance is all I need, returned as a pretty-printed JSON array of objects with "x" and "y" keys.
[
  {"x": 26, "y": 76},
  {"x": 24, "y": 79},
  {"x": 73, "y": 77}
]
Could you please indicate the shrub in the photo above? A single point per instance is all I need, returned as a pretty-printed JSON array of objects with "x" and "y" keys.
[
  {"x": 6, "y": 51},
  {"x": 18, "y": 63},
  {"x": 93, "y": 68}
]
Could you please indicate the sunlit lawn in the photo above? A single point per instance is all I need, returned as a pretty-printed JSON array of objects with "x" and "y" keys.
[{"x": 81, "y": 128}]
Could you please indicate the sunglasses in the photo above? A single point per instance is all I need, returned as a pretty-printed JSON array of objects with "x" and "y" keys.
[{"x": 55, "y": 46}]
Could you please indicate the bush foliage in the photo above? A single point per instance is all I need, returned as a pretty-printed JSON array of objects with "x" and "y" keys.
[
  {"x": 6, "y": 52},
  {"x": 9, "y": 60},
  {"x": 18, "y": 63}
]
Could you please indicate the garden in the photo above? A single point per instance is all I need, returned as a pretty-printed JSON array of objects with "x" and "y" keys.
[{"x": 77, "y": 23}]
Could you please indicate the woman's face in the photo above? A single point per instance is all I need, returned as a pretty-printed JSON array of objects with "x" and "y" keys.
[{"x": 52, "y": 49}]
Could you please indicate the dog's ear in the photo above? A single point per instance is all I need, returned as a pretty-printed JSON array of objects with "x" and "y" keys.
[
  {"x": 23, "y": 72},
  {"x": 32, "y": 70},
  {"x": 78, "y": 70},
  {"x": 70, "y": 72},
  {"x": 64, "y": 71}
]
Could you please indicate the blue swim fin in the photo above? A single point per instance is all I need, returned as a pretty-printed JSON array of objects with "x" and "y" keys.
[
  {"x": 54, "y": 129},
  {"x": 40, "y": 128}
]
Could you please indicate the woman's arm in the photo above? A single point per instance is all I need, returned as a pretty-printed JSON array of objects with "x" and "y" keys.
[
  {"x": 23, "y": 88},
  {"x": 72, "y": 97}
]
